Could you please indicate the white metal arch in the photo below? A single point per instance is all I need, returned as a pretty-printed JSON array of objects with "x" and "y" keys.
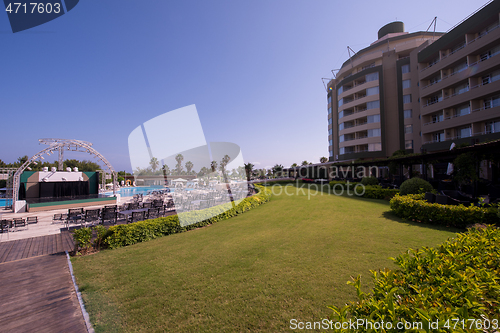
[{"x": 60, "y": 145}]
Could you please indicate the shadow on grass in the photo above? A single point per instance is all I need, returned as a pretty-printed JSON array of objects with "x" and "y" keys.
[{"x": 391, "y": 216}]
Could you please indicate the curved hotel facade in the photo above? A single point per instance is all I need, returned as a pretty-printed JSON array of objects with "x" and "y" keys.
[{"x": 418, "y": 91}]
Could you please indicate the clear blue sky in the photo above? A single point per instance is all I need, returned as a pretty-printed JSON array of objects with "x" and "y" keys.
[{"x": 253, "y": 69}]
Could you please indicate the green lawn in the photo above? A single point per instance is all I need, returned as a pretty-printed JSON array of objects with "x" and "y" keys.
[{"x": 289, "y": 258}]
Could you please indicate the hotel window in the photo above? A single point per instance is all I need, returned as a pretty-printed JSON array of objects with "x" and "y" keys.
[
  {"x": 373, "y": 132},
  {"x": 406, "y": 84},
  {"x": 329, "y": 121},
  {"x": 330, "y": 131},
  {"x": 341, "y": 138},
  {"x": 372, "y": 91},
  {"x": 437, "y": 117},
  {"x": 340, "y": 90},
  {"x": 435, "y": 79},
  {"x": 462, "y": 110},
  {"x": 408, "y": 129},
  {"x": 492, "y": 77},
  {"x": 330, "y": 142},
  {"x": 371, "y": 77},
  {"x": 341, "y": 114},
  {"x": 438, "y": 137},
  {"x": 373, "y": 119},
  {"x": 409, "y": 144},
  {"x": 461, "y": 89},
  {"x": 375, "y": 146},
  {"x": 329, "y": 99},
  {"x": 406, "y": 98},
  {"x": 464, "y": 132},
  {"x": 372, "y": 105},
  {"x": 341, "y": 126},
  {"x": 329, "y": 110},
  {"x": 462, "y": 66},
  {"x": 331, "y": 153},
  {"x": 405, "y": 69},
  {"x": 490, "y": 53},
  {"x": 341, "y": 102},
  {"x": 492, "y": 102},
  {"x": 407, "y": 113},
  {"x": 434, "y": 99},
  {"x": 341, "y": 151},
  {"x": 492, "y": 127}
]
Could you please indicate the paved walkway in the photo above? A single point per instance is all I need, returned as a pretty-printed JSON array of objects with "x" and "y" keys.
[
  {"x": 38, "y": 296},
  {"x": 35, "y": 246}
]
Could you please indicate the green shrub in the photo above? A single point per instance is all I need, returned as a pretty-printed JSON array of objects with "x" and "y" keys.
[
  {"x": 101, "y": 232},
  {"x": 82, "y": 238},
  {"x": 413, "y": 207},
  {"x": 377, "y": 192},
  {"x": 415, "y": 185},
  {"x": 458, "y": 280},
  {"x": 128, "y": 234},
  {"x": 368, "y": 191},
  {"x": 369, "y": 181}
]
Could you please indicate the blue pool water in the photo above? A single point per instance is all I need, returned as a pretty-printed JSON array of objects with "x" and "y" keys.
[{"x": 131, "y": 191}]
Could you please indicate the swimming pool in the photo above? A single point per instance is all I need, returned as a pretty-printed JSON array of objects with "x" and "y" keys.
[
  {"x": 2, "y": 202},
  {"x": 131, "y": 191}
]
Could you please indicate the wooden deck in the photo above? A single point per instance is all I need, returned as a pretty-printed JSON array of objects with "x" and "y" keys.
[
  {"x": 35, "y": 246},
  {"x": 38, "y": 296}
]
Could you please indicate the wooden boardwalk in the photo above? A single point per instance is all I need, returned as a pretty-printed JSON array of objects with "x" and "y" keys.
[
  {"x": 38, "y": 296},
  {"x": 35, "y": 246}
]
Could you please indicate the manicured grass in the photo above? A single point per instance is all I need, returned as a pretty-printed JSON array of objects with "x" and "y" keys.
[{"x": 289, "y": 258}]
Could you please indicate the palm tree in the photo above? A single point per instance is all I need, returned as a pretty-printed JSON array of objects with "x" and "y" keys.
[
  {"x": 213, "y": 165},
  {"x": 277, "y": 170},
  {"x": 305, "y": 163},
  {"x": 323, "y": 160},
  {"x": 154, "y": 163},
  {"x": 166, "y": 170},
  {"x": 293, "y": 165},
  {"x": 249, "y": 170},
  {"x": 223, "y": 163},
  {"x": 179, "y": 158},
  {"x": 189, "y": 166}
]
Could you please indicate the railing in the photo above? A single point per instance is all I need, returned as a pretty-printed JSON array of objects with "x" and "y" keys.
[
  {"x": 458, "y": 137},
  {"x": 463, "y": 46}
]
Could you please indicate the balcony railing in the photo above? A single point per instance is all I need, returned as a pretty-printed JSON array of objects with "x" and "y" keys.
[{"x": 465, "y": 44}]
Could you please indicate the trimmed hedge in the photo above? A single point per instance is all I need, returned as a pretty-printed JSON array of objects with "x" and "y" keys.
[
  {"x": 370, "y": 191},
  {"x": 369, "y": 181},
  {"x": 415, "y": 185},
  {"x": 436, "y": 287},
  {"x": 413, "y": 207},
  {"x": 129, "y": 234}
]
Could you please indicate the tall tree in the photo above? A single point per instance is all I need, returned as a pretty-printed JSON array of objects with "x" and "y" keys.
[
  {"x": 293, "y": 165},
  {"x": 223, "y": 163},
  {"x": 154, "y": 163},
  {"x": 305, "y": 163},
  {"x": 249, "y": 170},
  {"x": 179, "y": 158},
  {"x": 213, "y": 166},
  {"x": 277, "y": 170},
  {"x": 189, "y": 166}
]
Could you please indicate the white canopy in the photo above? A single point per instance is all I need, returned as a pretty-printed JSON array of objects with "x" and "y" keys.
[{"x": 179, "y": 180}]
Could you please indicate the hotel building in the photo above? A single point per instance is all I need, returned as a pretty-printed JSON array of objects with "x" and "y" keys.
[{"x": 418, "y": 91}]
